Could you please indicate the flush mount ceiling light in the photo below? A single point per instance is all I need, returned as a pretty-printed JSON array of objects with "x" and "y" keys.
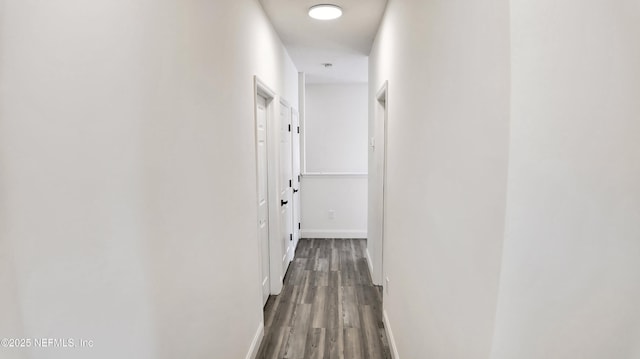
[{"x": 325, "y": 12}]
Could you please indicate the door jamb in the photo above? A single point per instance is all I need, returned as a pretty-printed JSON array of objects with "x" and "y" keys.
[{"x": 382, "y": 99}]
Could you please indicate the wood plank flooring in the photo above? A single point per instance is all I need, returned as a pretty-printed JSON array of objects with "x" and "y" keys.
[{"x": 328, "y": 307}]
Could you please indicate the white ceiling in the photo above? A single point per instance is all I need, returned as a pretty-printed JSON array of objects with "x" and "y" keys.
[{"x": 344, "y": 42}]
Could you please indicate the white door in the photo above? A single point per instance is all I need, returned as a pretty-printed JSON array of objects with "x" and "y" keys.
[
  {"x": 295, "y": 149},
  {"x": 285, "y": 186},
  {"x": 263, "y": 197}
]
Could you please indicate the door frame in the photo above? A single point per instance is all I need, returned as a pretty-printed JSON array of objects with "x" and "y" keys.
[
  {"x": 382, "y": 104},
  {"x": 296, "y": 213},
  {"x": 260, "y": 88}
]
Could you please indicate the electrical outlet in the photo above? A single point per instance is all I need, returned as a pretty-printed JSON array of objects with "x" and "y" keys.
[
  {"x": 332, "y": 214},
  {"x": 387, "y": 285}
]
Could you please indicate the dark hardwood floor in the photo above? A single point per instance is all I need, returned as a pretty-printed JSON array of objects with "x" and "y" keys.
[{"x": 328, "y": 307}]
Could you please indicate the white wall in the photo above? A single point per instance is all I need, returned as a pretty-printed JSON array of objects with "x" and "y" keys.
[
  {"x": 336, "y": 128},
  {"x": 128, "y": 189},
  {"x": 447, "y": 63},
  {"x": 344, "y": 194},
  {"x": 570, "y": 283},
  {"x": 335, "y": 157},
  {"x": 555, "y": 86}
]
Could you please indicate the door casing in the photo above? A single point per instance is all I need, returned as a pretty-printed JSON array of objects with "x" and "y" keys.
[
  {"x": 381, "y": 105},
  {"x": 296, "y": 174},
  {"x": 262, "y": 163},
  {"x": 276, "y": 273}
]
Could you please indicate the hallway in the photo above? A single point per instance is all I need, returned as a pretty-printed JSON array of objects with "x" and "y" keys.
[
  {"x": 328, "y": 307},
  {"x": 488, "y": 151}
]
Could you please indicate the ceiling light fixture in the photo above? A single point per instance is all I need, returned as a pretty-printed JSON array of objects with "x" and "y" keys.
[{"x": 325, "y": 12}]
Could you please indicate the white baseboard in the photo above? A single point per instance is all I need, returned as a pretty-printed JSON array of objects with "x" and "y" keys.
[
  {"x": 255, "y": 343},
  {"x": 346, "y": 233},
  {"x": 369, "y": 262},
  {"x": 390, "y": 339}
]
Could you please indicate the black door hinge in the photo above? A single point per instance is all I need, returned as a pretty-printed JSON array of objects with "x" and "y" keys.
[
  {"x": 299, "y": 225},
  {"x": 290, "y": 236},
  {"x": 290, "y": 184},
  {"x": 298, "y": 178},
  {"x": 289, "y": 128},
  {"x": 298, "y": 129}
]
